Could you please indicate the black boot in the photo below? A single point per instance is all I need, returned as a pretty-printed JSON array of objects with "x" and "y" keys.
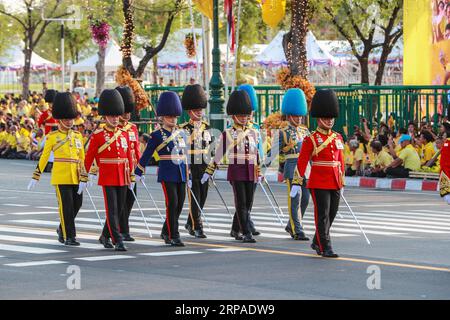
[
  {"x": 120, "y": 246},
  {"x": 71, "y": 242},
  {"x": 127, "y": 237},
  {"x": 256, "y": 233},
  {"x": 288, "y": 230},
  {"x": 301, "y": 236},
  {"x": 60, "y": 235},
  {"x": 165, "y": 237},
  {"x": 317, "y": 248},
  {"x": 176, "y": 243},
  {"x": 199, "y": 234},
  {"x": 106, "y": 242},
  {"x": 236, "y": 235},
  {"x": 328, "y": 253},
  {"x": 189, "y": 229},
  {"x": 248, "y": 238}
]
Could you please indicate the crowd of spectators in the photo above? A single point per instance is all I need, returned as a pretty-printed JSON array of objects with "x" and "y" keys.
[{"x": 386, "y": 152}]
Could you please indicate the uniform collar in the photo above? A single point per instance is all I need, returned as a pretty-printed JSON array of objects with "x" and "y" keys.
[
  {"x": 194, "y": 123},
  {"x": 107, "y": 128},
  {"x": 323, "y": 131},
  {"x": 239, "y": 126}
]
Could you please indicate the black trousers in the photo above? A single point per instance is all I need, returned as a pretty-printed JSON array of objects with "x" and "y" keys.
[
  {"x": 398, "y": 172},
  {"x": 69, "y": 202},
  {"x": 250, "y": 224},
  {"x": 114, "y": 197},
  {"x": 244, "y": 192},
  {"x": 326, "y": 205},
  {"x": 200, "y": 192},
  {"x": 125, "y": 216},
  {"x": 175, "y": 194}
]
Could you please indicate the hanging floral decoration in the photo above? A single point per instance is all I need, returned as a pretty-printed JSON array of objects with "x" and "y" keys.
[
  {"x": 287, "y": 81},
  {"x": 100, "y": 32},
  {"x": 124, "y": 78},
  {"x": 274, "y": 121},
  {"x": 189, "y": 45}
]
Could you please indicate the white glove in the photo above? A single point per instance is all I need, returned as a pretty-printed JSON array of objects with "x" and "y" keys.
[
  {"x": 81, "y": 187},
  {"x": 447, "y": 198},
  {"x": 131, "y": 186},
  {"x": 190, "y": 184},
  {"x": 32, "y": 184},
  {"x": 140, "y": 178},
  {"x": 295, "y": 190},
  {"x": 260, "y": 179},
  {"x": 205, "y": 178},
  {"x": 92, "y": 178},
  {"x": 342, "y": 191}
]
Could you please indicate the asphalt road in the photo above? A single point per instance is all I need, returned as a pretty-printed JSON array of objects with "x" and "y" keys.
[{"x": 408, "y": 257}]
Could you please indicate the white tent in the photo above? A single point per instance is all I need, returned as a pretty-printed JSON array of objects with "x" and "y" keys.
[
  {"x": 14, "y": 59},
  {"x": 274, "y": 55},
  {"x": 113, "y": 60}
]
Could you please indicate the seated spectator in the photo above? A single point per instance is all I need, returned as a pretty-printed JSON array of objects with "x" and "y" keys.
[
  {"x": 10, "y": 142},
  {"x": 358, "y": 156},
  {"x": 407, "y": 160},
  {"x": 428, "y": 151},
  {"x": 382, "y": 159}
]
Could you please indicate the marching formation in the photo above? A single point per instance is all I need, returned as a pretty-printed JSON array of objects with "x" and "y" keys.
[{"x": 312, "y": 164}]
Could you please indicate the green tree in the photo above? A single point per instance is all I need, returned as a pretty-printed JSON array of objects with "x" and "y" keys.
[
  {"x": 29, "y": 22},
  {"x": 366, "y": 25}
]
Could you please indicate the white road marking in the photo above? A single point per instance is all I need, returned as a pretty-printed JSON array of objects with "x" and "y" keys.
[
  {"x": 47, "y": 241},
  {"x": 227, "y": 249},
  {"x": 23, "y": 249},
  {"x": 16, "y": 205},
  {"x": 169, "y": 253},
  {"x": 105, "y": 258},
  {"x": 34, "y": 263}
]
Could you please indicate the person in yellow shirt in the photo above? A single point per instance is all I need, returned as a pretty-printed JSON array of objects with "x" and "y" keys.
[
  {"x": 381, "y": 160},
  {"x": 10, "y": 142},
  {"x": 428, "y": 150},
  {"x": 68, "y": 174},
  {"x": 358, "y": 158},
  {"x": 407, "y": 160},
  {"x": 2, "y": 134}
]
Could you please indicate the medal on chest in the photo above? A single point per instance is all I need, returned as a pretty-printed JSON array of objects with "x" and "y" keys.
[
  {"x": 319, "y": 139},
  {"x": 339, "y": 145},
  {"x": 132, "y": 136},
  {"x": 78, "y": 144},
  {"x": 123, "y": 143}
]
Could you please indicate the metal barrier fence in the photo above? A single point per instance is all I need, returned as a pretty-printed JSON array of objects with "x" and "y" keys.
[{"x": 375, "y": 103}]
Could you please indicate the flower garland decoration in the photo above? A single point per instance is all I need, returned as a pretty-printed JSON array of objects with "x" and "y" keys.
[
  {"x": 124, "y": 78},
  {"x": 189, "y": 45},
  {"x": 100, "y": 32},
  {"x": 287, "y": 81},
  {"x": 274, "y": 121}
]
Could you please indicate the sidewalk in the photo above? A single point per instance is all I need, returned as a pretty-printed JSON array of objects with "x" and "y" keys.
[{"x": 361, "y": 182}]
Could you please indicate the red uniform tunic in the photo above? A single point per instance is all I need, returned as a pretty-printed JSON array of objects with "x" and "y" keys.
[
  {"x": 47, "y": 121},
  {"x": 325, "y": 151},
  {"x": 115, "y": 162},
  {"x": 445, "y": 169},
  {"x": 133, "y": 137}
]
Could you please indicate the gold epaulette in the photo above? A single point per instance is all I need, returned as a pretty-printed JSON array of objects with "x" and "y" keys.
[{"x": 183, "y": 125}]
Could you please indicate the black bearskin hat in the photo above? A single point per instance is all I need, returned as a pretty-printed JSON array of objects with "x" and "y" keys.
[
  {"x": 325, "y": 104},
  {"x": 50, "y": 95},
  {"x": 239, "y": 103},
  {"x": 111, "y": 103},
  {"x": 128, "y": 98},
  {"x": 194, "y": 97},
  {"x": 64, "y": 106}
]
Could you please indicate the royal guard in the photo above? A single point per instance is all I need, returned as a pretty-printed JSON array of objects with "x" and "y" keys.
[
  {"x": 239, "y": 144},
  {"x": 169, "y": 143},
  {"x": 46, "y": 121},
  {"x": 194, "y": 101},
  {"x": 110, "y": 148},
  {"x": 133, "y": 136},
  {"x": 290, "y": 141},
  {"x": 68, "y": 170},
  {"x": 252, "y": 124},
  {"x": 444, "y": 181},
  {"x": 324, "y": 149}
]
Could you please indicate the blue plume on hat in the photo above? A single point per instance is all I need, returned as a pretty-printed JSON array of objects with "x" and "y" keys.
[
  {"x": 252, "y": 94},
  {"x": 169, "y": 104},
  {"x": 294, "y": 103}
]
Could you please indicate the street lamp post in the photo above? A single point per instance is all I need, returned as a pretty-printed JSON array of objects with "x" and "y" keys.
[{"x": 216, "y": 84}]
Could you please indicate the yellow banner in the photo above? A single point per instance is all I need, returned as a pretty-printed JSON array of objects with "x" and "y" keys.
[
  {"x": 426, "y": 57},
  {"x": 205, "y": 7}
]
